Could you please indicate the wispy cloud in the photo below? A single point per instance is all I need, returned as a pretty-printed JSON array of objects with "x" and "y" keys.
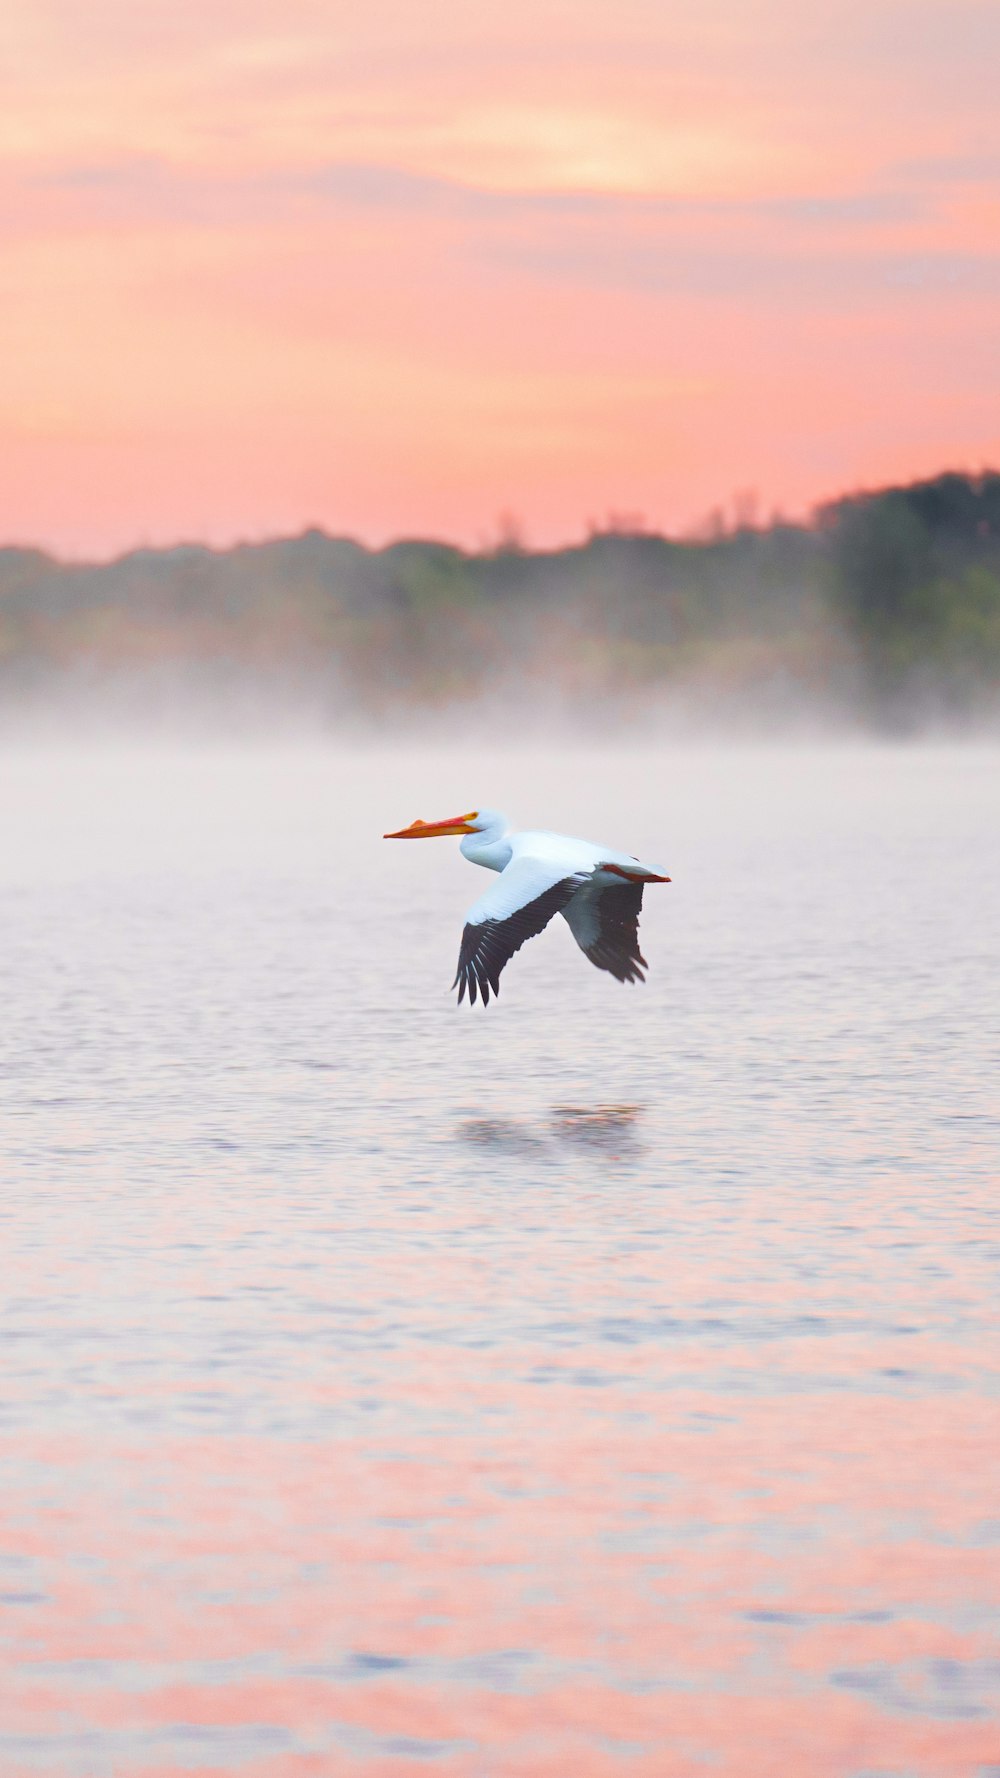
[
  {"x": 151, "y": 184},
  {"x": 954, "y": 169},
  {"x": 394, "y": 188}
]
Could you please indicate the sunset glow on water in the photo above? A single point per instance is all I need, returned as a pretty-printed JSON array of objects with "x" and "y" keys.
[{"x": 603, "y": 1383}]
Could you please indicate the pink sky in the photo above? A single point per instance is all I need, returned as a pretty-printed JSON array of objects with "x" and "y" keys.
[{"x": 399, "y": 269}]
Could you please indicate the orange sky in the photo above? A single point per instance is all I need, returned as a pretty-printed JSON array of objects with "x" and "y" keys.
[{"x": 399, "y": 269}]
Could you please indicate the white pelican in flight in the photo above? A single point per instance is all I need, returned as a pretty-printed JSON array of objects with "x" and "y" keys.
[{"x": 597, "y": 891}]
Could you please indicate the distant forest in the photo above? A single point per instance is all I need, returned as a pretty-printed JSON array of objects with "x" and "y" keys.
[{"x": 886, "y": 606}]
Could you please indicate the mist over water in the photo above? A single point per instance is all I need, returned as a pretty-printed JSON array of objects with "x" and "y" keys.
[
  {"x": 603, "y": 1381},
  {"x": 879, "y": 616}
]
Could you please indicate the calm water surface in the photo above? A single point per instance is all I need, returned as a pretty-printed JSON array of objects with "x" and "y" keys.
[{"x": 603, "y": 1383}]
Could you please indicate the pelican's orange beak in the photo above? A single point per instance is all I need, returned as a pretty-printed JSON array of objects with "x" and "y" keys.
[{"x": 433, "y": 830}]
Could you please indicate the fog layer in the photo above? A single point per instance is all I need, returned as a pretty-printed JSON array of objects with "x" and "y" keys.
[{"x": 883, "y": 612}]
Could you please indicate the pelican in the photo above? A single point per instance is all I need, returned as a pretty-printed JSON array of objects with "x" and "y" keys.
[{"x": 598, "y": 892}]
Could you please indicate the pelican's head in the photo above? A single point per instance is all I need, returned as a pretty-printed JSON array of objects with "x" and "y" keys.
[{"x": 477, "y": 821}]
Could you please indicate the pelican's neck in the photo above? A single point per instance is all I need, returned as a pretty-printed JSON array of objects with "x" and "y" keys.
[{"x": 487, "y": 845}]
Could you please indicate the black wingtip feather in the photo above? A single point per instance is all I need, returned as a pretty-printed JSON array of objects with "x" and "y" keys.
[
  {"x": 488, "y": 946},
  {"x": 616, "y": 948}
]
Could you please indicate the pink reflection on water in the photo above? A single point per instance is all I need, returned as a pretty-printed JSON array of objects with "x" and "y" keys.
[{"x": 727, "y": 1581}]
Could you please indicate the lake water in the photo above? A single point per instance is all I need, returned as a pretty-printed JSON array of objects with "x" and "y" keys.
[{"x": 603, "y": 1383}]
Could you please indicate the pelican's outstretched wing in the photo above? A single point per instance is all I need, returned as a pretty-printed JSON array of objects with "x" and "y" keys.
[
  {"x": 605, "y": 923},
  {"x": 523, "y": 899}
]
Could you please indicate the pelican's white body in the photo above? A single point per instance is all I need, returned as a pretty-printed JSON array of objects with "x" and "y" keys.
[
  {"x": 531, "y": 862},
  {"x": 597, "y": 890}
]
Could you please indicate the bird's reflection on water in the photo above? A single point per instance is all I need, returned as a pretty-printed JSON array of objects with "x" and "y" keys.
[
  {"x": 503, "y": 1133},
  {"x": 610, "y": 1128},
  {"x": 599, "y": 1126}
]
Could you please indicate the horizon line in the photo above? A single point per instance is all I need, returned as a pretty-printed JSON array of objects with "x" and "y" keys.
[{"x": 721, "y": 521}]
